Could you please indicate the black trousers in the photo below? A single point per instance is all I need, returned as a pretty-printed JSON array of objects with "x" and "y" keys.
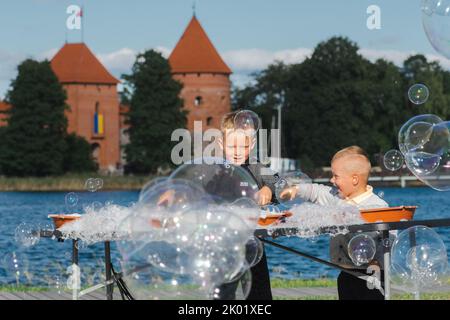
[
  {"x": 353, "y": 288},
  {"x": 260, "y": 286}
]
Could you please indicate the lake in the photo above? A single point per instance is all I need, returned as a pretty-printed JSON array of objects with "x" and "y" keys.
[{"x": 46, "y": 262}]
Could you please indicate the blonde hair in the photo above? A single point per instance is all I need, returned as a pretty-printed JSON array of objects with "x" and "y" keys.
[
  {"x": 228, "y": 121},
  {"x": 357, "y": 160}
]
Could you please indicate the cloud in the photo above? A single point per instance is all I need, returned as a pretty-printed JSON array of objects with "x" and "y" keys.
[
  {"x": 398, "y": 57},
  {"x": 121, "y": 61},
  {"x": 258, "y": 59},
  {"x": 243, "y": 62}
]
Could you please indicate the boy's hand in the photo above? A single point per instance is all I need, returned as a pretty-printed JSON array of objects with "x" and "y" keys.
[
  {"x": 264, "y": 196},
  {"x": 288, "y": 193}
]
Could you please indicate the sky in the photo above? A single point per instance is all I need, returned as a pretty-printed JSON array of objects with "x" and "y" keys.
[{"x": 249, "y": 34}]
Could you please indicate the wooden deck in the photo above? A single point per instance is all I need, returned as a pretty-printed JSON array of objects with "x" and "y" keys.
[
  {"x": 100, "y": 294},
  {"x": 284, "y": 293}
]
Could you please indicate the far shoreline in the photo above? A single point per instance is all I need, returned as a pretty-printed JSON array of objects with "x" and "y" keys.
[{"x": 75, "y": 183}]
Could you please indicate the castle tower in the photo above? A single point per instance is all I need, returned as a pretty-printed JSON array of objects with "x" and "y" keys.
[
  {"x": 205, "y": 77},
  {"x": 93, "y": 100}
]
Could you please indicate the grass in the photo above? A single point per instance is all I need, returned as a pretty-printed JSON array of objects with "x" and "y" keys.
[
  {"x": 303, "y": 283},
  {"x": 22, "y": 288},
  {"x": 72, "y": 182},
  {"x": 276, "y": 283}
]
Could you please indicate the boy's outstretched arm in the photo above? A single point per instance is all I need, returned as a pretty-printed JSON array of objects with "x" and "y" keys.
[{"x": 312, "y": 192}]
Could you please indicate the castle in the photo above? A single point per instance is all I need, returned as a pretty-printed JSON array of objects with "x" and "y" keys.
[{"x": 95, "y": 110}]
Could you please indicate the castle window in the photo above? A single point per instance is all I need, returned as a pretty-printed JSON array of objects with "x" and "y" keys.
[
  {"x": 198, "y": 101},
  {"x": 209, "y": 121}
]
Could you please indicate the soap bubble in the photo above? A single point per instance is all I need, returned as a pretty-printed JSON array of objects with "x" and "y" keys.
[
  {"x": 431, "y": 160},
  {"x": 419, "y": 259},
  {"x": 208, "y": 251},
  {"x": 247, "y": 209},
  {"x": 14, "y": 267},
  {"x": 418, "y": 93},
  {"x": 361, "y": 249},
  {"x": 393, "y": 160},
  {"x": 224, "y": 182},
  {"x": 436, "y": 23},
  {"x": 254, "y": 250},
  {"x": 248, "y": 121},
  {"x": 91, "y": 184},
  {"x": 27, "y": 234},
  {"x": 418, "y": 135},
  {"x": 98, "y": 183},
  {"x": 416, "y": 131},
  {"x": 238, "y": 289},
  {"x": 149, "y": 185},
  {"x": 71, "y": 200},
  {"x": 285, "y": 187},
  {"x": 422, "y": 163},
  {"x": 147, "y": 282}
]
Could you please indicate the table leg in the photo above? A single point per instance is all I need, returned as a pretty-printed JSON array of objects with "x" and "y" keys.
[
  {"x": 75, "y": 270},
  {"x": 387, "y": 264},
  {"x": 108, "y": 271}
]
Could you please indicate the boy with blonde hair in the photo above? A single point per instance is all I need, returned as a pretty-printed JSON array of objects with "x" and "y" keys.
[
  {"x": 237, "y": 145},
  {"x": 350, "y": 175}
]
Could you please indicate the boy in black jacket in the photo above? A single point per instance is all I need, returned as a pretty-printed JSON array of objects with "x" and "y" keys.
[{"x": 237, "y": 146}]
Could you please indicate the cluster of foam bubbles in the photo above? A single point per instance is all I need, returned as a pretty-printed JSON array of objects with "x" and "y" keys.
[
  {"x": 419, "y": 259},
  {"x": 311, "y": 220},
  {"x": 97, "y": 224},
  {"x": 424, "y": 141}
]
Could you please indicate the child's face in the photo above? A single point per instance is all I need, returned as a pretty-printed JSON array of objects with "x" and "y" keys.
[
  {"x": 345, "y": 181},
  {"x": 237, "y": 146}
]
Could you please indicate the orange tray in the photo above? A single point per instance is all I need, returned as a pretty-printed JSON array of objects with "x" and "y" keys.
[
  {"x": 60, "y": 219},
  {"x": 392, "y": 214},
  {"x": 272, "y": 218}
]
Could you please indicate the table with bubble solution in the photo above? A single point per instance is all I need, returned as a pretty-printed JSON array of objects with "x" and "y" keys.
[
  {"x": 383, "y": 228},
  {"x": 267, "y": 235}
]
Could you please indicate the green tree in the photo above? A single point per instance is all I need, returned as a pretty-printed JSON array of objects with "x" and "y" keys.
[
  {"x": 155, "y": 111},
  {"x": 416, "y": 69},
  {"x": 33, "y": 143},
  {"x": 78, "y": 157}
]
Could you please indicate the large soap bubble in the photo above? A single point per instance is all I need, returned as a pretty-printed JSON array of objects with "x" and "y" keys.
[
  {"x": 431, "y": 160},
  {"x": 416, "y": 131},
  {"x": 192, "y": 238},
  {"x": 436, "y": 23},
  {"x": 361, "y": 249},
  {"x": 224, "y": 182},
  {"x": 285, "y": 187},
  {"x": 418, "y": 259}
]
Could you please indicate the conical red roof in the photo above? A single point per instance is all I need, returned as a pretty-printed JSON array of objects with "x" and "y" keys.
[
  {"x": 75, "y": 63},
  {"x": 195, "y": 53}
]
